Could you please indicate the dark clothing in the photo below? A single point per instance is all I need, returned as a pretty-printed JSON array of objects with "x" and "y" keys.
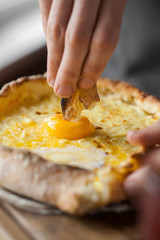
[{"x": 137, "y": 56}]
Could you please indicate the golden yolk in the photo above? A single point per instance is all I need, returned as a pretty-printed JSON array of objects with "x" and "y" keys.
[{"x": 61, "y": 128}]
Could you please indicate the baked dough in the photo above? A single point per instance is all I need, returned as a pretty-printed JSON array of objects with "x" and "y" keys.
[
  {"x": 73, "y": 185},
  {"x": 81, "y": 99}
]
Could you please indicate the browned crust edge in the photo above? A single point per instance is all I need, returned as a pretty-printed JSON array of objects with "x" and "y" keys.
[
  {"x": 126, "y": 91},
  {"x": 11, "y": 93},
  {"x": 72, "y": 189},
  {"x": 131, "y": 94},
  {"x": 8, "y": 88}
]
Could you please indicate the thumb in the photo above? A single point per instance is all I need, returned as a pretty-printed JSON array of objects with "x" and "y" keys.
[{"x": 146, "y": 137}]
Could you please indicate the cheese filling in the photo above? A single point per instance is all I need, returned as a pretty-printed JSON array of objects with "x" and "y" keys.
[{"x": 106, "y": 146}]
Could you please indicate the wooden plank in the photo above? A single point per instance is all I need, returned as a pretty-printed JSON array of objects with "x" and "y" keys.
[
  {"x": 64, "y": 227},
  {"x": 9, "y": 230}
]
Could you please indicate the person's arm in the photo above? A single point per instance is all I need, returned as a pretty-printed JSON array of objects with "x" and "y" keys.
[
  {"x": 81, "y": 37},
  {"x": 144, "y": 184}
]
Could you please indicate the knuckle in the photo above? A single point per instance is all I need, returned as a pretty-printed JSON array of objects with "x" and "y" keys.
[
  {"x": 76, "y": 38},
  {"x": 106, "y": 41},
  {"x": 55, "y": 32},
  {"x": 93, "y": 70},
  {"x": 70, "y": 74}
]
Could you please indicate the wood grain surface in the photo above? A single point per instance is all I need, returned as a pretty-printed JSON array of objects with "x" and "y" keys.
[{"x": 16, "y": 224}]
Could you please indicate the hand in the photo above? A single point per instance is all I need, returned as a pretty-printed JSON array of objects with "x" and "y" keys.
[
  {"x": 81, "y": 37},
  {"x": 145, "y": 182}
]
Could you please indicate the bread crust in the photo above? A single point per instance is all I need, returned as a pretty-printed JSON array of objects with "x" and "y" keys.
[
  {"x": 81, "y": 99},
  {"x": 72, "y": 189},
  {"x": 131, "y": 94}
]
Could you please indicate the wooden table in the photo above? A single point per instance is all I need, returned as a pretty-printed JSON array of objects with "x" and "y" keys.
[{"x": 18, "y": 224}]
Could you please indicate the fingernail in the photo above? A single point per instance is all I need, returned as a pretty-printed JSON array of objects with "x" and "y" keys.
[
  {"x": 132, "y": 134},
  {"x": 131, "y": 187},
  {"x": 131, "y": 183},
  {"x": 51, "y": 83},
  {"x": 86, "y": 83},
  {"x": 64, "y": 91}
]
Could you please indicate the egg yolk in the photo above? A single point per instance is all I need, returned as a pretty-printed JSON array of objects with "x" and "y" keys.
[{"x": 61, "y": 128}]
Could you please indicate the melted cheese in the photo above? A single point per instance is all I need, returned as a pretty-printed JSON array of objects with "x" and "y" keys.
[{"x": 107, "y": 146}]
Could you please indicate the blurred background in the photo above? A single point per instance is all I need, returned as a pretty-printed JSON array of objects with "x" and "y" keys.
[
  {"x": 22, "y": 42},
  {"x": 136, "y": 58}
]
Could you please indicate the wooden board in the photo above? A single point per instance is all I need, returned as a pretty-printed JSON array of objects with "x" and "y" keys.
[{"x": 18, "y": 224}]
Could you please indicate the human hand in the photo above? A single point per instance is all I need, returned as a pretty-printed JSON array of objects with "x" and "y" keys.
[
  {"x": 144, "y": 184},
  {"x": 81, "y": 37}
]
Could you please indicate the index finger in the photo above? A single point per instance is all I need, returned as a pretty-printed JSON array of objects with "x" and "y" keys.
[{"x": 77, "y": 39}]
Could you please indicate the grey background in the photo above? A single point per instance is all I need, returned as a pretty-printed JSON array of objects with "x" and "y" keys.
[{"x": 137, "y": 56}]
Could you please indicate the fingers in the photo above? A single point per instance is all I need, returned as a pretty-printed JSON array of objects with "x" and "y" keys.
[
  {"x": 45, "y": 6},
  {"x": 103, "y": 42},
  {"x": 146, "y": 196},
  {"x": 68, "y": 38},
  {"x": 139, "y": 180},
  {"x": 144, "y": 187},
  {"x": 150, "y": 198},
  {"x": 133, "y": 182},
  {"x": 146, "y": 137},
  {"x": 57, "y": 23},
  {"x": 78, "y": 35},
  {"x": 153, "y": 158}
]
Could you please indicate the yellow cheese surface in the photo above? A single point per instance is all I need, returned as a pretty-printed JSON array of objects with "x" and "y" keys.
[{"x": 111, "y": 117}]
